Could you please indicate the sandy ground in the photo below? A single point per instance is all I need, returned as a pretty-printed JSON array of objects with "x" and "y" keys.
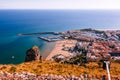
[{"x": 59, "y": 45}]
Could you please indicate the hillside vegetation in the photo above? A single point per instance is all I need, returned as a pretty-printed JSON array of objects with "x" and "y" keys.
[{"x": 48, "y": 67}]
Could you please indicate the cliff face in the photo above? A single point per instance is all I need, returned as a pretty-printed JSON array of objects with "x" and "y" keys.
[{"x": 33, "y": 54}]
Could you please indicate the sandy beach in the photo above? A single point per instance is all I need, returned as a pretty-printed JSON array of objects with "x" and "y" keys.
[{"x": 59, "y": 45}]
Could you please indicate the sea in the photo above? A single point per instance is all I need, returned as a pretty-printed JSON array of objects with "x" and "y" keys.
[{"x": 12, "y": 22}]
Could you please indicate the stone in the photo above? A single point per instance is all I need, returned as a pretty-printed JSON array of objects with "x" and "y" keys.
[{"x": 33, "y": 54}]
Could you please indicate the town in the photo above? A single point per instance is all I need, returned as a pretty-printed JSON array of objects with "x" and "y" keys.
[{"x": 95, "y": 45}]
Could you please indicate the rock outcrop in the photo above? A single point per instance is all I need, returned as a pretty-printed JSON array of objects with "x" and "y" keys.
[{"x": 33, "y": 54}]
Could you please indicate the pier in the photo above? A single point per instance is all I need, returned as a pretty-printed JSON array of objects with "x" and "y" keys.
[
  {"x": 54, "y": 33},
  {"x": 48, "y": 39},
  {"x": 52, "y": 39},
  {"x": 45, "y": 39}
]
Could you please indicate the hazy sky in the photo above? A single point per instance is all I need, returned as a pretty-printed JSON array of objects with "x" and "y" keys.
[{"x": 59, "y": 4}]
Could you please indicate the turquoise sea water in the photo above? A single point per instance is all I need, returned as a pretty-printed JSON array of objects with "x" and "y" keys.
[{"x": 13, "y": 22}]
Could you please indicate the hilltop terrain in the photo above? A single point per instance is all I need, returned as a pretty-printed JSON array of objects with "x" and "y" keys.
[{"x": 91, "y": 69}]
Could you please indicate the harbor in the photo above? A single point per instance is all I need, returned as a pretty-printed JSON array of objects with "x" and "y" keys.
[{"x": 56, "y": 36}]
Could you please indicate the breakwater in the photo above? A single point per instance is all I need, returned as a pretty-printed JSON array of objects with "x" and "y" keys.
[
  {"x": 45, "y": 39},
  {"x": 50, "y": 39},
  {"x": 54, "y": 33}
]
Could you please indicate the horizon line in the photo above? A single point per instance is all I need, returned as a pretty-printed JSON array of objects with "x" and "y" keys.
[{"x": 52, "y": 9}]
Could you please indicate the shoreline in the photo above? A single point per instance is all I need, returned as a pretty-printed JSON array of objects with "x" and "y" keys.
[
  {"x": 49, "y": 46},
  {"x": 59, "y": 46}
]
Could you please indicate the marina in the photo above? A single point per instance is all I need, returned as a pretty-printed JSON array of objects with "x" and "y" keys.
[{"x": 56, "y": 36}]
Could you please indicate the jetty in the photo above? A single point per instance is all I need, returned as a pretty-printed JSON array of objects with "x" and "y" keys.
[
  {"x": 48, "y": 39},
  {"x": 52, "y": 39},
  {"x": 54, "y": 33},
  {"x": 45, "y": 39}
]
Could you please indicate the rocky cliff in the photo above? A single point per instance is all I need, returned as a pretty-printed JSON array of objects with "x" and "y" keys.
[{"x": 33, "y": 54}]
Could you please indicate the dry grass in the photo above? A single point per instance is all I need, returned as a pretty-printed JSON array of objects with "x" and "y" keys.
[{"x": 47, "y": 67}]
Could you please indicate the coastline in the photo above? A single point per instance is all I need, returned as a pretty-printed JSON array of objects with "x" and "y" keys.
[
  {"x": 49, "y": 46},
  {"x": 59, "y": 46}
]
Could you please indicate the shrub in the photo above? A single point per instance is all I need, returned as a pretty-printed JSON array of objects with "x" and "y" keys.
[
  {"x": 4, "y": 67},
  {"x": 12, "y": 69}
]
